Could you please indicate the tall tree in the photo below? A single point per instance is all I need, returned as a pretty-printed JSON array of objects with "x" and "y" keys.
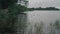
[
  {"x": 6, "y": 3},
  {"x": 9, "y": 17}
]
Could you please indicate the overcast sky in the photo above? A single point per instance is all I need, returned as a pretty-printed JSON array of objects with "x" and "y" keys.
[{"x": 44, "y": 3}]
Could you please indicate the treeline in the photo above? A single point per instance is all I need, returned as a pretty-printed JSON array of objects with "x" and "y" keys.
[{"x": 47, "y": 8}]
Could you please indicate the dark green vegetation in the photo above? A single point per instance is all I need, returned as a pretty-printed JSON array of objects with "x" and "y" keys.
[
  {"x": 9, "y": 10},
  {"x": 57, "y": 24},
  {"x": 55, "y": 27},
  {"x": 6, "y": 3},
  {"x": 52, "y": 27},
  {"x": 39, "y": 27},
  {"x": 47, "y": 8}
]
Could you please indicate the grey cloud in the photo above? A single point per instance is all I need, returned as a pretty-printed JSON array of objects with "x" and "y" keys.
[{"x": 44, "y": 3}]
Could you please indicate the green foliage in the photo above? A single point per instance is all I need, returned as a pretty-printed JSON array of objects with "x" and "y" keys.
[
  {"x": 9, "y": 11},
  {"x": 6, "y": 3},
  {"x": 7, "y": 21},
  {"x": 8, "y": 18},
  {"x": 17, "y": 8}
]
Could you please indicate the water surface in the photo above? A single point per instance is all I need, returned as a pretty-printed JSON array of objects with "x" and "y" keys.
[{"x": 45, "y": 16}]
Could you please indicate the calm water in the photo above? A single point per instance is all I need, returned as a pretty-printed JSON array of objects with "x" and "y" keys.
[
  {"x": 45, "y": 16},
  {"x": 37, "y": 16}
]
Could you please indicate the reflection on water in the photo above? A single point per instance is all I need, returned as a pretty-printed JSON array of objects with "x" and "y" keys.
[{"x": 43, "y": 22}]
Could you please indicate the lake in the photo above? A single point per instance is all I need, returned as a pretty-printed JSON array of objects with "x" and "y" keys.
[{"x": 46, "y": 17}]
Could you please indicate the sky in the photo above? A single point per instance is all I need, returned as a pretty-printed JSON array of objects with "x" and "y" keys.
[{"x": 44, "y": 3}]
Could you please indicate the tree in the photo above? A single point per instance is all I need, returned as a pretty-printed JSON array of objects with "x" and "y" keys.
[
  {"x": 8, "y": 19},
  {"x": 6, "y": 3}
]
